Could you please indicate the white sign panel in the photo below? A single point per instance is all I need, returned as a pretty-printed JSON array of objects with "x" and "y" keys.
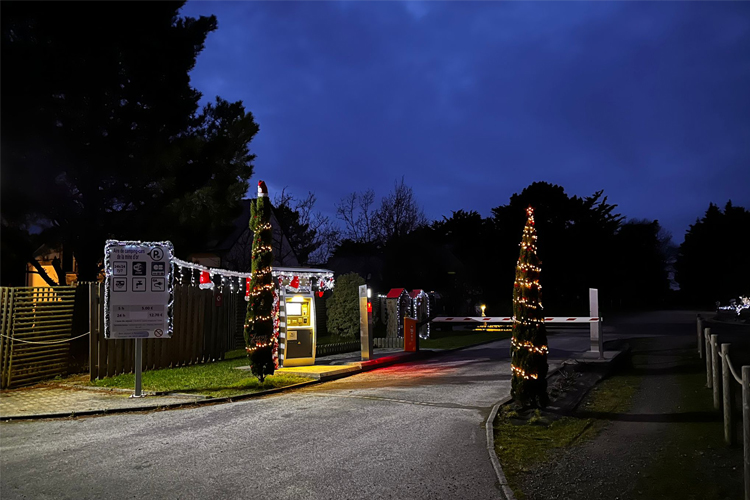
[{"x": 139, "y": 296}]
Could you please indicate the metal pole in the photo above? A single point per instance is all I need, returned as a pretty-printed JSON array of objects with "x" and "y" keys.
[
  {"x": 365, "y": 338},
  {"x": 746, "y": 426},
  {"x": 726, "y": 384},
  {"x": 707, "y": 336},
  {"x": 715, "y": 370},
  {"x": 138, "y": 367},
  {"x": 595, "y": 328},
  {"x": 700, "y": 336}
]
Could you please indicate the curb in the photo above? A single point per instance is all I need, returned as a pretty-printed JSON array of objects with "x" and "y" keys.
[{"x": 505, "y": 489}]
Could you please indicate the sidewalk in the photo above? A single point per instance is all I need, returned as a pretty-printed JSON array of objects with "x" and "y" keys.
[
  {"x": 667, "y": 445},
  {"x": 52, "y": 400}
]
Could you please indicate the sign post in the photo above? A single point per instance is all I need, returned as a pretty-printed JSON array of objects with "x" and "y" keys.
[
  {"x": 365, "y": 333},
  {"x": 139, "y": 294}
]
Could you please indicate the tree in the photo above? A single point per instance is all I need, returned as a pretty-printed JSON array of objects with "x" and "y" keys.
[
  {"x": 355, "y": 210},
  {"x": 566, "y": 226},
  {"x": 529, "y": 343},
  {"x": 398, "y": 214},
  {"x": 640, "y": 252},
  {"x": 101, "y": 132},
  {"x": 311, "y": 234},
  {"x": 712, "y": 263},
  {"x": 343, "y": 306},
  {"x": 260, "y": 342}
]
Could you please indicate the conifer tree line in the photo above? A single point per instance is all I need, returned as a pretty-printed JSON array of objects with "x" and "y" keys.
[{"x": 84, "y": 125}]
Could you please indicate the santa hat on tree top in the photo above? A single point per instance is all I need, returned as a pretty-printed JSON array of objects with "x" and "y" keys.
[{"x": 262, "y": 189}]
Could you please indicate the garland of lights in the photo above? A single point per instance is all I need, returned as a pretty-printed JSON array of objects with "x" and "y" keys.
[
  {"x": 738, "y": 308},
  {"x": 528, "y": 345}
]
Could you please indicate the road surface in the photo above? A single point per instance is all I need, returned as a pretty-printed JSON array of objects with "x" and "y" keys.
[{"x": 412, "y": 431}]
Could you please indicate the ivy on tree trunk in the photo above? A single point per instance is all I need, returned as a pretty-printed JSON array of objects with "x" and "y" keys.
[
  {"x": 529, "y": 343},
  {"x": 260, "y": 341}
]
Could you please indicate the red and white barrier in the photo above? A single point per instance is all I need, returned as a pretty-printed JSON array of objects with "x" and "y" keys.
[
  {"x": 594, "y": 321},
  {"x": 499, "y": 319}
]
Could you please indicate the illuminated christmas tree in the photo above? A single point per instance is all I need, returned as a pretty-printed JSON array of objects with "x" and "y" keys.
[
  {"x": 528, "y": 347},
  {"x": 260, "y": 341}
]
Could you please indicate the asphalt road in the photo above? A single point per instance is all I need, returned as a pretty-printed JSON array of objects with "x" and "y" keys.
[{"x": 412, "y": 431}]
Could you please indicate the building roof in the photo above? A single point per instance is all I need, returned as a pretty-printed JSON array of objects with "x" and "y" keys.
[
  {"x": 416, "y": 293},
  {"x": 395, "y": 293}
]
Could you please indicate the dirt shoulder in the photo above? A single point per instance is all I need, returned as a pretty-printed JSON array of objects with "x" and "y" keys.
[{"x": 667, "y": 443}]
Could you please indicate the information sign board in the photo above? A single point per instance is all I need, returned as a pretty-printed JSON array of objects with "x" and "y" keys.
[{"x": 139, "y": 294}]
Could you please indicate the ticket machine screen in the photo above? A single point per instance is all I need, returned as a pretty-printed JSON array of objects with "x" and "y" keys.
[{"x": 298, "y": 312}]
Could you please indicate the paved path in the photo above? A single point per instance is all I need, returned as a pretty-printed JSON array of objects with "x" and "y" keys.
[
  {"x": 406, "y": 431},
  {"x": 57, "y": 401}
]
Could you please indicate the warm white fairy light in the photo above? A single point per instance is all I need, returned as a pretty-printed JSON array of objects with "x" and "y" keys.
[{"x": 527, "y": 277}]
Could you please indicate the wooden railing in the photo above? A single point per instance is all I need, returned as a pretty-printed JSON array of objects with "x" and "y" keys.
[{"x": 35, "y": 328}]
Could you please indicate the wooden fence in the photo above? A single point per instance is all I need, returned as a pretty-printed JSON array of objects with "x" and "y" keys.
[
  {"x": 392, "y": 342},
  {"x": 204, "y": 330},
  {"x": 36, "y": 327},
  {"x": 337, "y": 348}
]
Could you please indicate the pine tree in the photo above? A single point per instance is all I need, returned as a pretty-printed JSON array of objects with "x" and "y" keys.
[
  {"x": 260, "y": 341},
  {"x": 529, "y": 344}
]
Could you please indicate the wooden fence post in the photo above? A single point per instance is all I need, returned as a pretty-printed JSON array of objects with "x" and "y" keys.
[
  {"x": 726, "y": 384},
  {"x": 93, "y": 330},
  {"x": 709, "y": 379},
  {"x": 746, "y": 426},
  {"x": 716, "y": 382}
]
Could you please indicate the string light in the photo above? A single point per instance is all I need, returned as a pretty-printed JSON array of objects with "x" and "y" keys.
[{"x": 527, "y": 307}]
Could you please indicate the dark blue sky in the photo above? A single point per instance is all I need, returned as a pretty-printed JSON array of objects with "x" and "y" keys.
[{"x": 472, "y": 102}]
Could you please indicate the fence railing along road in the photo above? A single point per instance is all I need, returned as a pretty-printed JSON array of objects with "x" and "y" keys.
[{"x": 720, "y": 376}]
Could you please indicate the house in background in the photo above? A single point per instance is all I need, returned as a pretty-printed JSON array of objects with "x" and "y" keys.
[
  {"x": 49, "y": 258},
  {"x": 233, "y": 253}
]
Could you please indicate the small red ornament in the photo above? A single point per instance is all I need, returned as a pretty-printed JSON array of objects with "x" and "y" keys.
[
  {"x": 247, "y": 289},
  {"x": 320, "y": 293},
  {"x": 205, "y": 281},
  {"x": 295, "y": 282}
]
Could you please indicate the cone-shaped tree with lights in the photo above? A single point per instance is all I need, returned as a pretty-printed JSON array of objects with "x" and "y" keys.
[
  {"x": 528, "y": 347},
  {"x": 260, "y": 341}
]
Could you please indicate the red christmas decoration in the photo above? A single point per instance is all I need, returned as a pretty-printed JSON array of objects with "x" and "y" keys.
[
  {"x": 295, "y": 282},
  {"x": 247, "y": 289},
  {"x": 205, "y": 281},
  {"x": 320, "y": 293}
]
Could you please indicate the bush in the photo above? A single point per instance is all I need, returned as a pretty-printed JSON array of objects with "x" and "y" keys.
[{"x": 343, "y": 306}]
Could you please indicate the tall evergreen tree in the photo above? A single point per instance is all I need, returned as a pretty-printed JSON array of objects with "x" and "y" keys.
[
  {"x": 260, "y": 342},
  {"x": 102, "y": 133},
  {"x": 529, "y": 344}
]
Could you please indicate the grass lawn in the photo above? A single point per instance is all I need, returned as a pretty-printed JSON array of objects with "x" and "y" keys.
[
  {"x": 451, "y": 340},
  {"x": 219, "y": 379},
  {"x": 521, "y": 446}
]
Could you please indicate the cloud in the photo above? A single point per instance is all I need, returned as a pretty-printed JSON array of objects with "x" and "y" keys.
[{"x": 474, "y": 101}]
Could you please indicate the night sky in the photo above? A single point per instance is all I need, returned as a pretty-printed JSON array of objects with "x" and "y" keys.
[{"x": 472, "y": 102}]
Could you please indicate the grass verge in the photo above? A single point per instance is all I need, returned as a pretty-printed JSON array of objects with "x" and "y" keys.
[
  {"x": 220, "y": 379},
  {"x": 522, "y": 444},
  {"x": 454, "y": 340}
]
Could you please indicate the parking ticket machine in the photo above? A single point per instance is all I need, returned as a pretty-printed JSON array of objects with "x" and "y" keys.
[{"x": 300, "y": 330}]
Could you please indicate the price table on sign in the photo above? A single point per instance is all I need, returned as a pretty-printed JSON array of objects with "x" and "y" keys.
[{"x": 139, "y": 290}]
